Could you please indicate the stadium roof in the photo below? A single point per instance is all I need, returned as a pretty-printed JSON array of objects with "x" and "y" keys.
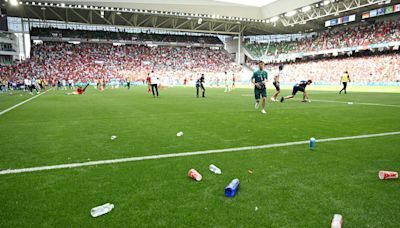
[
  {"x": 247, "y": 17},
  {"x": 255, "y": 9}
]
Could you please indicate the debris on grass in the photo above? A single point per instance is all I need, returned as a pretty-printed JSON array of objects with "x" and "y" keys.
[
  {"x": 101, "y": 210},
  {"x": 385, "y": 175},
  {"x": 194, "y": 175}
]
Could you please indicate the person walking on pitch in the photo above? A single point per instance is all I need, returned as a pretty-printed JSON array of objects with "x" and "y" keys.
[
  {"x": 277, "y": 83},
  {"x": 344, "y": 80},
  {"x": 228, "y": 83},
  {"x": 154, "y": 84},
  {"x": 200, "y": 85},
  {"x": 259, "y": 80}
]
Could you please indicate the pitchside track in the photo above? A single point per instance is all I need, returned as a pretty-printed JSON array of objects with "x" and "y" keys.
[{"x": 291, "y": 186}]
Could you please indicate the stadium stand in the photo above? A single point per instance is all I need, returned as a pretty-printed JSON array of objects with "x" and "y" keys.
[
  {"x": 365, "y": 68},
  {"x": 359, "y": 35},
  {"x": 87, "y": 61},
  {"x": 121, "y": 35}
]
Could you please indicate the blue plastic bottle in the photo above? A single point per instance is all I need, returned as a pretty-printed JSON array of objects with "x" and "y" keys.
[
  {"x": 312, "y": 143},
  {"x": 231, "y": 189}
]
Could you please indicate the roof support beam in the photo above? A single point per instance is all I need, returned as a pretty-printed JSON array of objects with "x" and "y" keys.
[{"x": 80, "y": 16}]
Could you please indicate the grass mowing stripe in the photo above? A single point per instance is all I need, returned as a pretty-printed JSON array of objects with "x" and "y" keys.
[
  {"x": 113, "y": 161},
  {"x": 21, "y": 103}
]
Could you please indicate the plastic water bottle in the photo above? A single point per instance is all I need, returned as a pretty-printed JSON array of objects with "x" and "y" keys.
[
  {"x": 101, "y": 210},
  {"x": 215, "y": 169},
  {"x": 337, "y": 221},
  {"x": 231, "y": 189},
  {"x": 312, "y": 143}
]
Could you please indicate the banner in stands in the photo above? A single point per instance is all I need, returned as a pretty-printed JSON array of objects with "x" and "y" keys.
[
  {"x": 381, "y": 11},
  {"x": 397, "y": 8},
  {"x": 389, "y": 9},
  {"x": 340, "y": 20}
]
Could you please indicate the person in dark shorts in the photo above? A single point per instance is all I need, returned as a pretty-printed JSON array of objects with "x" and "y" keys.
[
  {"x": 301, "y": 86},
  {"x": 259, "y": 80},
  {"x": 277, "y": 83},
  {"x": 154, "y": 84},
  {"x": 344, "y": 80},
  {"x": 200, "y": 85},
  {"x": 128, "y": 83}
]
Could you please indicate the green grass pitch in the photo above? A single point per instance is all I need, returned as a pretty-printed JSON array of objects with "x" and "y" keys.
[{"x": 290, "y": 186}]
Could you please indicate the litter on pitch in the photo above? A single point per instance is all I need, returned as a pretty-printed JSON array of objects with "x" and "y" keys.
[
  {"x": 215, "y": 169},
  {"x": 113, "y": 137},
  {"x": 179, "y": 134},
  {"x": 312, "y": 143},
  {"x": 101, "y": 210},
  {"x": 232, "y": 188},
  {"x": 385, "y": 175},
  {"x": 194, "y": 175},
  {"x": 337, "y": 221}
]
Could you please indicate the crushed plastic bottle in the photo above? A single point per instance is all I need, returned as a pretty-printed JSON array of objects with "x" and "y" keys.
[
  {"x": 101, "y": 210},
  {"x": 215, "y": 169},
  {"x": 337, "y": 221}
]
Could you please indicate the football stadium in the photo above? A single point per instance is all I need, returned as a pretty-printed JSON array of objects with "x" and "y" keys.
[{"x": 200, "y": 113}]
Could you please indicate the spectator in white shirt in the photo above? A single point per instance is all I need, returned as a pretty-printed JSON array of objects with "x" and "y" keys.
[{"x": 154, "y": 83}]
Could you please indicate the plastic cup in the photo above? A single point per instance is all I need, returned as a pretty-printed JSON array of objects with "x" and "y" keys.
[
  {"x": 385, "y": 175},
  {"x": 195, "y": 175}
]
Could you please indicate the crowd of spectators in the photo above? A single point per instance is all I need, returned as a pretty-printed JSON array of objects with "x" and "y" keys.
[
  {"x": 88, "y": 62},
  {"x": 361, "y": 34},
  {"x": 381, "y": 68},
  {"x": 122, "y": 35}
]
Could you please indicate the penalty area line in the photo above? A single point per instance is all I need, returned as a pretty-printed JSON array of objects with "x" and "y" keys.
[
  {"x": 21, "y": 103},
  {"x": 185, "y": 154}
]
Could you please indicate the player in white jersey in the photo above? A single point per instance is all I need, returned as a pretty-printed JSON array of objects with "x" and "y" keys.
[
  {"x": 277, "y": 83},
  {"x": 228, "y": 83},
  {"x": 27, "y": 83}
]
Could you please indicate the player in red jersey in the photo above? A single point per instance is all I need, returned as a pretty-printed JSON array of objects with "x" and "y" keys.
[
  {"x": 79, "y": 90},
  {"x": 148, "y": 80}
]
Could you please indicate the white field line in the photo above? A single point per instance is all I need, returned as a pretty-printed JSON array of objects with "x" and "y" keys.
[
  {"x": 357, "y": 103},
  {"x": 342, "y": 102},
  {"x": 185, "y": 154},
  {"x": 21, "y": 103}
]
